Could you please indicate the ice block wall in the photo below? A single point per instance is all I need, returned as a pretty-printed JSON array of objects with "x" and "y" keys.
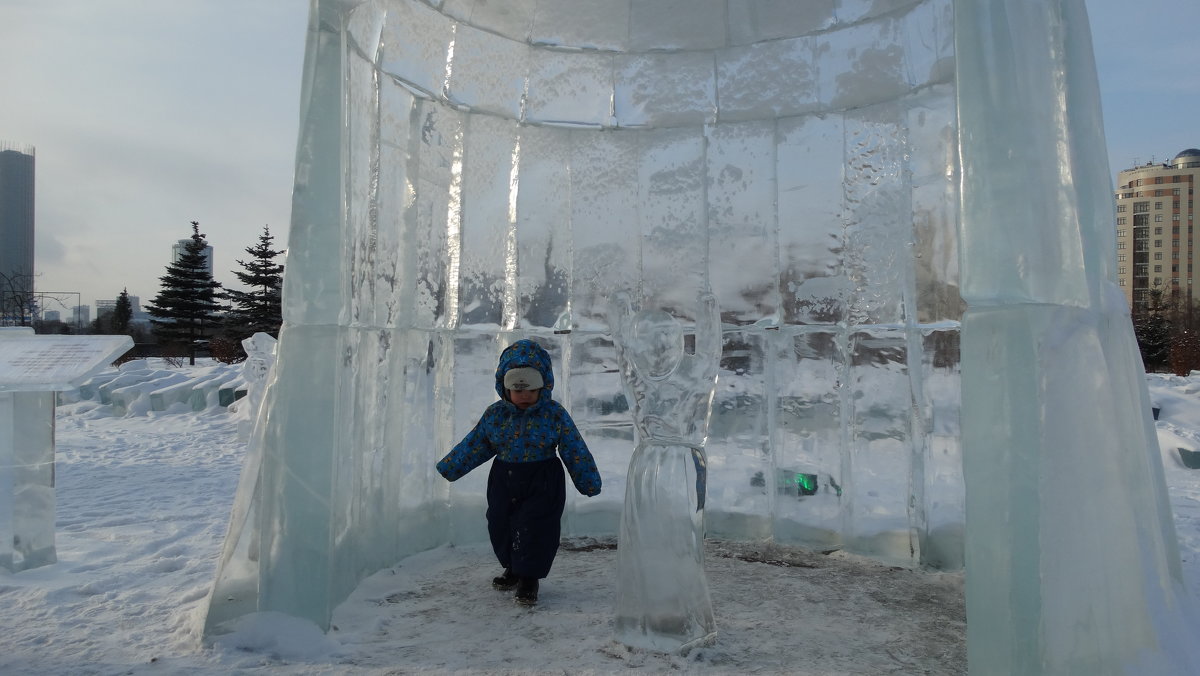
[{"x": 470, "y": 173}]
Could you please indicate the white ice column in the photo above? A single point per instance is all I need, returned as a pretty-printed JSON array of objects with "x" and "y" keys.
[
  {"x": 26, "y": 480},
  {"x": 1072, "y": 562}
]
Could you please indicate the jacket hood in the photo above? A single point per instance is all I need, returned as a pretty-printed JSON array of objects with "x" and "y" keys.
[{"x": 530, "y": 354}]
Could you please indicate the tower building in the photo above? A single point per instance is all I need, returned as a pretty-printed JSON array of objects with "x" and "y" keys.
[
  {"x": 179, "y": 248},
  {"x": 1156, "y": 229},
  {"x": 16, "y": 234}
]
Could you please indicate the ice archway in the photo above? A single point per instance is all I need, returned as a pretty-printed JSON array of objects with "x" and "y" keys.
[{"x": 842, "y": 174}]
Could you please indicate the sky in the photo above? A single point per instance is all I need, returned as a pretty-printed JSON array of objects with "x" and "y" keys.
[{"x": 147, "y": 115}]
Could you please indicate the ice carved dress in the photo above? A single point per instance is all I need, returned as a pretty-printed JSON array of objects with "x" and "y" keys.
[{"x": 662, "y": 598}]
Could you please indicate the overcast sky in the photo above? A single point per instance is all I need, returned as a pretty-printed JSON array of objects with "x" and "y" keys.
[{"x": 148, "y": 114}]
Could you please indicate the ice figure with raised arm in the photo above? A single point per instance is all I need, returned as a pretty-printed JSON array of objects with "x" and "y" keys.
[{"x": 662, "y": 594}]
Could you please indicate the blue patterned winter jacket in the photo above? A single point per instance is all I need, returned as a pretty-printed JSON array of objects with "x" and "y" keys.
[{"x": 506, "y": 432}]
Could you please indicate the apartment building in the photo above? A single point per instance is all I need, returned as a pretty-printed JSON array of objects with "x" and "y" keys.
[{"x": 1156, "y": 229}]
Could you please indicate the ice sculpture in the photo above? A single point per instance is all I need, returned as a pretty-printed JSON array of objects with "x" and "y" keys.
[
  {"x": 662, "y": 600},
  {"x": 32, "y": 369},
  {"x": 1072, "y": 561},
  {"x": 471, "y": 170},
  {"x": 260, "y": 359}
]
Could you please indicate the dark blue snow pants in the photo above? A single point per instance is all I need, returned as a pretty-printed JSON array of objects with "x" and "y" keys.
[{"x": 525, "y": 506}]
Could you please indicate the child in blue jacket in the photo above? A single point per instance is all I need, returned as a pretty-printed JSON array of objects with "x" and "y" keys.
[{"x": 526, "y": 490}]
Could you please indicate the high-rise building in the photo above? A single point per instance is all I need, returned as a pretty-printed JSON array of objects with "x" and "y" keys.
[
  {"x": 81, "y": 315},
  {"x": 104, "y": 306},
  {"x": 179, "y": 248},
  {"x": 1155, "y": 229},
  {"x": 16, "y": 234}
]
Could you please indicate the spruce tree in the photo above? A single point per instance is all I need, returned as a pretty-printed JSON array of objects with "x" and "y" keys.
[
  {"x": 122, "y": 313},
  {"x": 186, "y": 310},
  {"x": 257, "y": 310}
]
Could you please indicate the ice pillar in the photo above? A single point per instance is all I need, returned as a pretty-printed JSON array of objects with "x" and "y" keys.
[
  {"x": 26, "y": 480},
  {"x": 1072, "y": 562},
  {"x": 662, "y": 600},
  {"x": 26, "y": 470}
]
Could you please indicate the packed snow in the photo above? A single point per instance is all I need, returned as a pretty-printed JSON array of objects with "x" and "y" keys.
[{"x": 143, "y": 505}]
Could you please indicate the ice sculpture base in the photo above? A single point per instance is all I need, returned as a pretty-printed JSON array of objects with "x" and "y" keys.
[{"x": 663, "y": 602}]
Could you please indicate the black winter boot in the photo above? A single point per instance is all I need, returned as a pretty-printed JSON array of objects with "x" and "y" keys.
[
  {"x": 527, "y": 589},
  {"x": 506, "y": 581}
]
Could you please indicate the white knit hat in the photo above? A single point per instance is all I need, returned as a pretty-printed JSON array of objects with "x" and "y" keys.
[{"x": 522, "y": 378}]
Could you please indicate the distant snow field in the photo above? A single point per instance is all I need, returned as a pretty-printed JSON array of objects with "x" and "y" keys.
[{"x": 144, "y": 492}]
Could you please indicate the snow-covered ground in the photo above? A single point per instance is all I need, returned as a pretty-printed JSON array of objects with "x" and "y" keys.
[{"x": 143, "y": 504}]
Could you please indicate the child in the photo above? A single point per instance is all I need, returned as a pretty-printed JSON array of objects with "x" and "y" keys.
[{"x": 526, "y": 491}]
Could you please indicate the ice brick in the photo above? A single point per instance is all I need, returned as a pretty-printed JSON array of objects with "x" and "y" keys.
[
  {"x": 488, "y": 72},
  {"x": 544, "y": 241},
  {"x": 673, "y": 224},
  {"x": 810, "y": 175},
  {"x": 739, "y": 446},
  {"x": 414, "y": 46},
  {"x": 879, "y": 236},
  {"x": 862, "y": 64},
  {"x": 942, "y": 543},
  {"x": 676, "y": 25},
  {"x": 852, "y": 11},
  {"x": 881, "y": 455},
  {"x": 928, "y": 35},
  {"x": 604, "y": 222},
  {"x": 596, "y": 401},
  {"x": 313, "y": 281},
  {"x": 665, "y": 89},
  {"x": 758, "y": 20},
  {"x": 596, "y": 24},
  {"x": 768, "y": 79},
  {"x": 574, "y": 88},
  {"x": 438, "y": 206},
  {"x": 511, "y": 18},
  {"x": 487, "y": 254},
  {"x": 933, "y": 166},
  {"x": 362, "y": 183},
  {"x": 809, "y": 369},
  {"x": 742, "y": 222}
]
